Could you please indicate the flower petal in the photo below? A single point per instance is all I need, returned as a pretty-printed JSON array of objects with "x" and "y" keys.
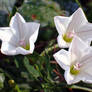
[
  {"x": 61, "y": 42},
  {"x": 32, "y": 30},
  {"x": 32, "y": 46},
  {"x": 85, "y": 32},
  {"x": 86, "y": 77},
  {"x": 8, "y": 49},
  {"x": 86, "y": 63},
  {"x": 61, "y": 23},
  {"x": 7, "y": 35},
  {"x": 62, "y": 59},
  {"x": 78, "y": 19},
  {"x": 17, "y": 26},
  {"x": 71, "y": 79},
  {"x": 78, "y": 47},
  {"x": 20, "y": 50},
  {"x": 82, "y": 76}
]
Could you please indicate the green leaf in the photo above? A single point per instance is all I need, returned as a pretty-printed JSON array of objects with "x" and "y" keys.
[
  {"x": 2, "y": 78},
  {"x": 30, "y": 68},
  {"x": 16, "y": 63}
]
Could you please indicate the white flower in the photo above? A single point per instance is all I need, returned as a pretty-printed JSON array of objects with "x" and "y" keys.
[
  {"x": 77, "y": 62},
  {"x": 76, "y": 24},
  {"x": 20, "y": 37}
]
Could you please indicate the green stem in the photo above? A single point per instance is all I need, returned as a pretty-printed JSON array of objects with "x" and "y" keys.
[
  {"x": 77, "y": 1},
  {"x": 47, "y": 50},
  {"x": 75, "y": 87},
  {"x": 1, "y": 70},
  {"x": 82, "y": 88},
  {"x": 17, "y": 88}
]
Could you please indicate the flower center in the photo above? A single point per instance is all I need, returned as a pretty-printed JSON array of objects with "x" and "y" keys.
[
  {"x": 68, "y": 36},
  {"x": 24, "y": 45},
  {"x": 75, "y": 69}
]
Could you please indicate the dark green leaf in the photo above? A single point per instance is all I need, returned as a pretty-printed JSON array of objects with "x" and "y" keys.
[{"x": 30, "y": 68}]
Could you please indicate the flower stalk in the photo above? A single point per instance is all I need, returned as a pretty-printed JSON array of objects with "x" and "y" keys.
[
  {"x": 47, "y": 50},
  {"x": 81, "y": 88},
  {"x": 77, "y": 1}
]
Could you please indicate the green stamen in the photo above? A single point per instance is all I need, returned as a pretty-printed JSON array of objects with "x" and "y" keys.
[
  {"x": 27, "y": 47},
  {"x": 67, "y": 39},
  {"x": 24, "y": 45},
  {"x": 74, "y": 71}
]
